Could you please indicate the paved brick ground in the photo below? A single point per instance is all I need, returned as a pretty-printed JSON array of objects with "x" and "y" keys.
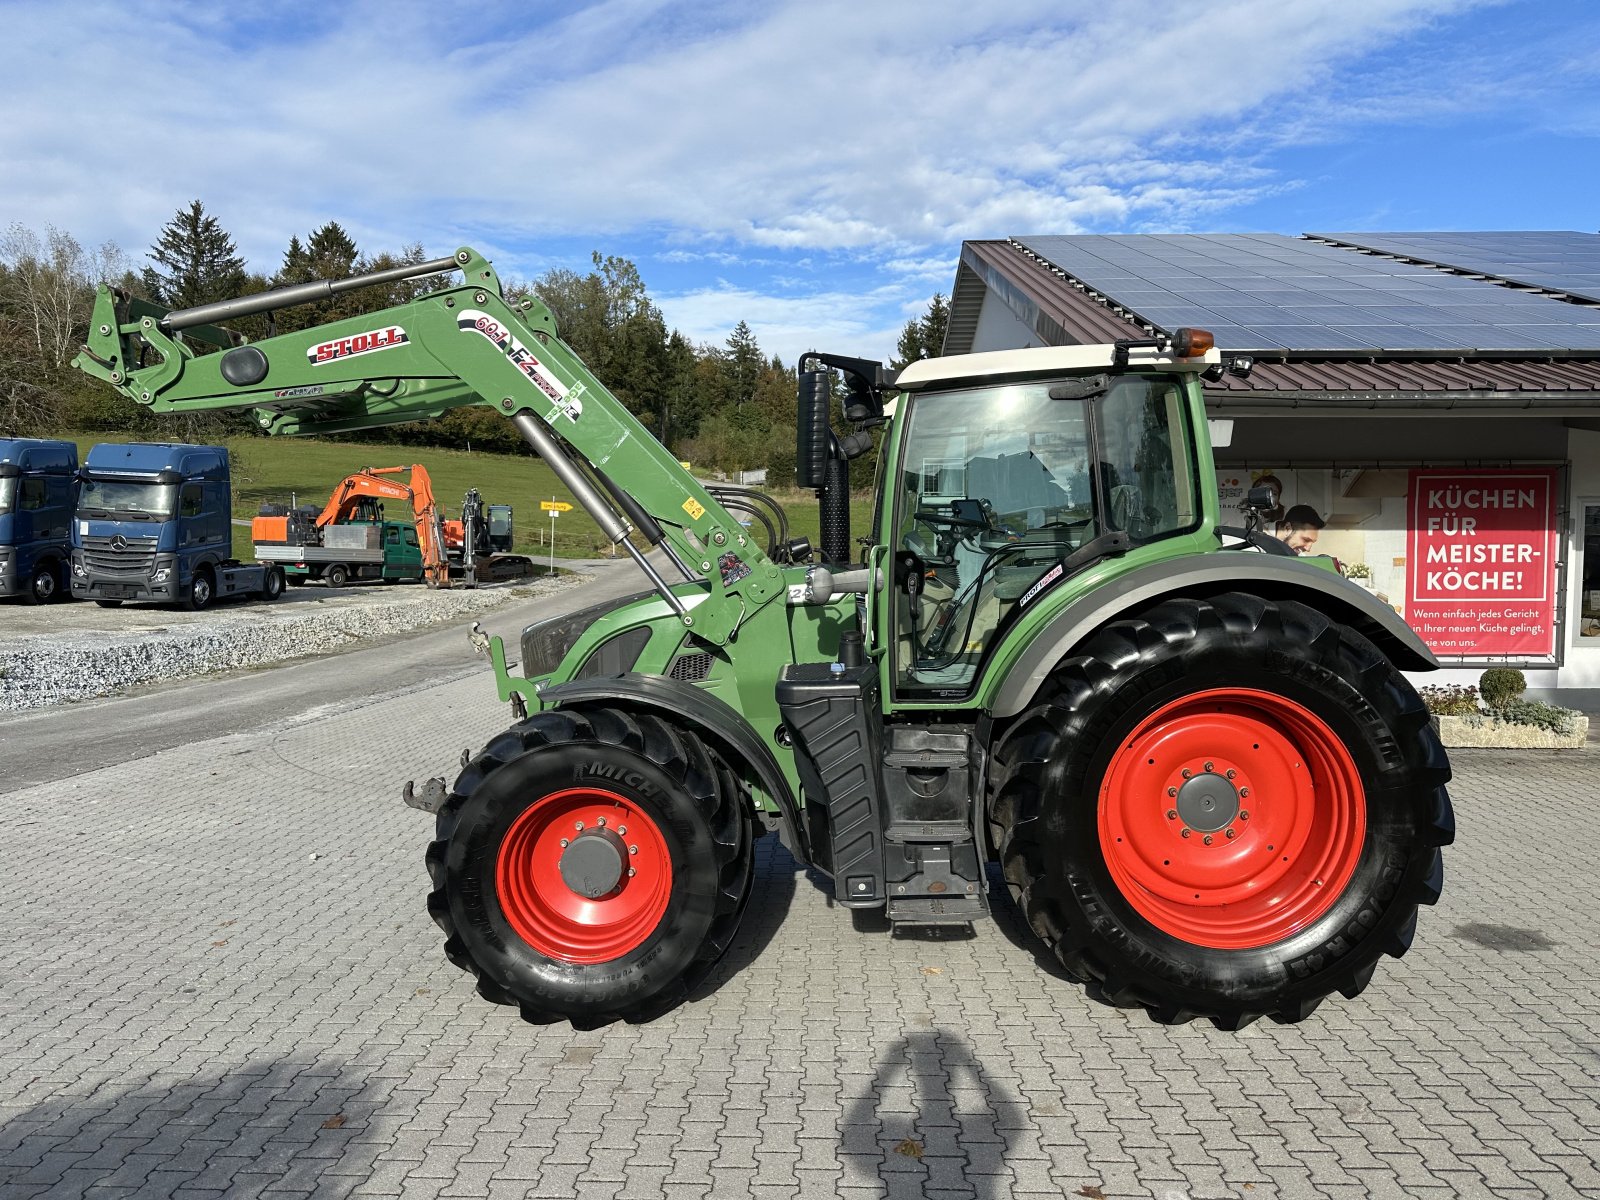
[{"x": 218, "y": 979}]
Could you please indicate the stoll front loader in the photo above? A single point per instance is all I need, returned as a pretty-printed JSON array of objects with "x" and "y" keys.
[{"x": 1205, "y": 780}]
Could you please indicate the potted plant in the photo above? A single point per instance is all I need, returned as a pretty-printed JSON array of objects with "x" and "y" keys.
[{"x": 1358, "y": 573}]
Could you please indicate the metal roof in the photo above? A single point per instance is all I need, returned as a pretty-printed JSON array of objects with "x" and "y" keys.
[{"x": 1059, "y": 309}]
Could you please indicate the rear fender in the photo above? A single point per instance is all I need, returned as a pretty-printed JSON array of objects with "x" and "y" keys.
[
  {"x": 713, "y": 719},
  {"x": 1197, "y": 577}
]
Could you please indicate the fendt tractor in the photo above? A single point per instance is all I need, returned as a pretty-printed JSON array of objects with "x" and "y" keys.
[{"x": 1205, "y": 780}]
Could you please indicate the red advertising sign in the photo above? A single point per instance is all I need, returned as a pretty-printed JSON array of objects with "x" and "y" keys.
[{"x": 1481, "y": 561}]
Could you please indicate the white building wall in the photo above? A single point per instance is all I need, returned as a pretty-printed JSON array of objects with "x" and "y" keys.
[
  {"x": 1582, "y": 667},
  {"x": 1000, "y": 329}
]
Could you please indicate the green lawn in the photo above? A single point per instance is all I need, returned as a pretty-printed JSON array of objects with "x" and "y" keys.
[{"x": 304, "y": 471}]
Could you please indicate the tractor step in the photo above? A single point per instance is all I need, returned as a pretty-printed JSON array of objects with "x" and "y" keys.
[{"x": 937, "y": 910}]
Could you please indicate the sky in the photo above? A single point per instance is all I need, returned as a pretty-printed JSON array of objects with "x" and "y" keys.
[{"x": 808, "y": 167}]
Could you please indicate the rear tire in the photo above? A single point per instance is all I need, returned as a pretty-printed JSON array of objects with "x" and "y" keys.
[
  {"x": 336, "y": 576},
  {"x": 1188, "y": 717},
  {"x": 506, "y": 889}
]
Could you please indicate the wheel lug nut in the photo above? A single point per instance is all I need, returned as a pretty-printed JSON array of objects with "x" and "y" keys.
[
  {"x": 1208, "y": 766},
  {"x": 633, "y": 849},
  {"x": 1243, "y": 792},
  {"x": 1208, "y": 839},
  {"x": 565, "y": 843},
  {"x": 1172, "y": 814},
  {"x": 1172, "y": 791},
  {"x": 1186, "y": 833},
  {"x": 600, "y": 821},
  {"x": 630, "y": 872},
  {"x": 1231, "y": 772},
  {"x": 1231, "y": 833},
  {"x": 577, "y": 824},
  {"x": 622, "y": 831},
  {"x": 1244, "y": 816},
  {"x": 1187, "y": 772}
]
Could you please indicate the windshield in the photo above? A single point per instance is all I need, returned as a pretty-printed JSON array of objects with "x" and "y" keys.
[
  {"x": 125, "y": 498},
  {"x": 1002, "y": 485},
  {"x": 8, "y": 494}
]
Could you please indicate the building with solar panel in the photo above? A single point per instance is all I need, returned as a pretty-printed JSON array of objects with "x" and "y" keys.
[{"x": 1432, "y": 398}]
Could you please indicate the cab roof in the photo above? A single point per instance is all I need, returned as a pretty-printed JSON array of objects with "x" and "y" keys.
[{"x": 1040, "y": 360}]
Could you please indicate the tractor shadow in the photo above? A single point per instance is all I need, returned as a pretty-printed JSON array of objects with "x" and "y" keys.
[
  {"x": 1009, "y": 920},
  {"x": 772, "y": 892},
  {"x": 932, "y": 1123},
  {"x": 260, "y": 1125}
]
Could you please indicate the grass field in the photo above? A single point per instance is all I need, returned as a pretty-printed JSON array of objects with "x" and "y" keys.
[{"x": 304, "y": 471}]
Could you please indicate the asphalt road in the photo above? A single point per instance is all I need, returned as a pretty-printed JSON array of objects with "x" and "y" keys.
[{"x": 53, "y": 743}]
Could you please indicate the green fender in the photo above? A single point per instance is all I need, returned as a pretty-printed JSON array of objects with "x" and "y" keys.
[
  {"x": 715, "y": 720},
  {"x": 1267, "y": 576}
]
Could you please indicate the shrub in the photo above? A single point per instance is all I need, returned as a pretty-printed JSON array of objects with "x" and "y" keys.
[
  {"x": 1452, "y": 701},
  {"x": 1499, "y": 686},
  {"x": 1537, "y": 713},
  {"x": 1357, "y": 571}
]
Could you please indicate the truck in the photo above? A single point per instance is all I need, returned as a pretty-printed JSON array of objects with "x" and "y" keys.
[
  {"x": 1201, "y": 775},
  {"x": 38, "y": 485},
  {"x": 374, "y": 550},
  {"x": 153, "y": 523},
  {"x": 349, "y": 537}
]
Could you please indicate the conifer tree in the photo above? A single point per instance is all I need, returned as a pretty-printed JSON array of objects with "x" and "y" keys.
[{"x": 194, "y": 261}]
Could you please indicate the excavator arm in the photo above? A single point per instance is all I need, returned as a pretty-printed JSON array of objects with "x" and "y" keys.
[{"x": 445, "y": 349}]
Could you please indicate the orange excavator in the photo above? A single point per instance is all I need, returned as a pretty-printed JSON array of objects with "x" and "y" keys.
[{"x": 356, "y": 498}]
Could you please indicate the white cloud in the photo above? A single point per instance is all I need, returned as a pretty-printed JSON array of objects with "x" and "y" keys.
[
  {"x": 808, "y": 139},
  {"x": 789, "y": 325},
  {"x": 820, "y": 125}
]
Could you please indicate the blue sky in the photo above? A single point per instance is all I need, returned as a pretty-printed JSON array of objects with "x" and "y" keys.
[{"x": 809, "y": 167}]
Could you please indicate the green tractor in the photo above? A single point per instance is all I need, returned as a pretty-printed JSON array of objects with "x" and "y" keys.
[{"x": 1193, "y": 754}]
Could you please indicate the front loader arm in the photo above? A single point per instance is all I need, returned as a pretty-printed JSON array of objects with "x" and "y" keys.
[{"x": 414, "y": 361}]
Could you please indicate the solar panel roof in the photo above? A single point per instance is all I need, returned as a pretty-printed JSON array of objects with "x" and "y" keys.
[
  {"x": 1561, "y": 261},
  {"x": 1266, "y": 292}
]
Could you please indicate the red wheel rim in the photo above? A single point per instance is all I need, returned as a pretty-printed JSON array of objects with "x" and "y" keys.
[
  {"x": 1244, "y": 877},
  {"x": 550, "y": 915}
]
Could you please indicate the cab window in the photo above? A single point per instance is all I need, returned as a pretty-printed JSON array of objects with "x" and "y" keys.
[{"x": 1002, "y": 485}]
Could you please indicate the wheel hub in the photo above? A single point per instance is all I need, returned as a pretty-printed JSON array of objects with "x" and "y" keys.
[
  {"x": 1232, "y": 817},
  {"x": 584, "y": 875},
  {"x": 1208, "y": 803},
  {"x": 592, "y": 865}
]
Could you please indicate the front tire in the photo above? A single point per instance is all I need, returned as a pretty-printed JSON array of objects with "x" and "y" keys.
[
  {"x": 1227, "y": 808},
  {"x": 202, "y": 591},
  {"x": 272, "y": 583},
  {"x": 45, "y": 585},
  {"x": 591, "y": 866},
  {"x": 336, "y": 576}
]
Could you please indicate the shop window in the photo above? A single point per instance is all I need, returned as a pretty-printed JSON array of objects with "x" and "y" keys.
[{"x": 1589, "y": 567}]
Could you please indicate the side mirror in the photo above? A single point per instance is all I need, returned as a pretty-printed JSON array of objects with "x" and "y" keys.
[{"x": 812, "y": 431}]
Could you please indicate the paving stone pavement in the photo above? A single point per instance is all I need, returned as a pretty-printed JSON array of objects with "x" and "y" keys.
[{"x": 219, "y": 980}]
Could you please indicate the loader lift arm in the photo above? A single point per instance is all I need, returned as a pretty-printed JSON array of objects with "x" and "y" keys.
[{"x": 443, "y": 350}]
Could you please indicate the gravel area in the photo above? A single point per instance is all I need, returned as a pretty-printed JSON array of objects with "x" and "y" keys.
[{"x": 59, "y": 653}]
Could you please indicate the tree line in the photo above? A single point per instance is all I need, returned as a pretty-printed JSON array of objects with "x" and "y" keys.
[{"x": 728, "y": 407}]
